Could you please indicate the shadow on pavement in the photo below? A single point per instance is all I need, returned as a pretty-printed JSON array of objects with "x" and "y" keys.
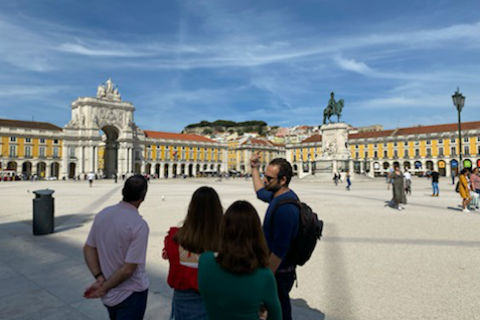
[{"x": 302, "y": 311}]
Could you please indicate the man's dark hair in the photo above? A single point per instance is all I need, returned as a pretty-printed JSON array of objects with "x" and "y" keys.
[
  {"x": 135, "y": 188},
  {"x": 284, "y": 169}
]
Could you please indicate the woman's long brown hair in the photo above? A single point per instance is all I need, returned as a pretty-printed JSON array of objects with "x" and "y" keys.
[
  {"x": 201, "y": 229},
  {"x": 243, "y": 247}
]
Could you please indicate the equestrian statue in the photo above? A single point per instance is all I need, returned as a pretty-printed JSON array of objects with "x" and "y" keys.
[{"x": 334, "y": 108}]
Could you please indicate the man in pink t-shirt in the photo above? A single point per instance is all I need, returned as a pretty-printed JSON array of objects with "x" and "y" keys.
[{"x": 115, "y": 253}]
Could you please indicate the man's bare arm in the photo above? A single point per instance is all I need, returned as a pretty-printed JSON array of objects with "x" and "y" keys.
[
  {"x": 91, "y": 259},
  {"x": 254, "y": 164}
]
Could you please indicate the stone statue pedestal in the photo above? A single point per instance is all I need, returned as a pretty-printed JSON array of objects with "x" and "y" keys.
[{"x": 335, "y": 156}]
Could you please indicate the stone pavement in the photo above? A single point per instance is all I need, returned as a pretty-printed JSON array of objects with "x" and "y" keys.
[{"x": 373, "y": 262}]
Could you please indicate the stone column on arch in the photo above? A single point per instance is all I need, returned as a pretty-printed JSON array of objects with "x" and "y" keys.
[
  {"x": 371, "y": 173},
  {"x": 170, "y": 169}
]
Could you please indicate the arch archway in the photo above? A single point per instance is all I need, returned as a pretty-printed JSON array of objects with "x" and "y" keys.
[
  {"x": 429, "y": 165},
  {"x": 190, "y": 170},
  {"x": 148, "y": 168},
  {"x": 12, "y": 165},
  {"x": 157, "y": 170},
  {"x": 198, "y": 169},
  {"x": 442, "y": 167},
  {"x": 41, "y": 168},
  {"x": 406, "y": 165},
  {"x": 174, "y": 170},
  {"x": 71, "y": 170},
  {"x": 110, "y": 156},
  {"x": 454, "y": 166},
  {"x": 55, "y": 170},
  {"x": 27, "y": 169},
  {"x": 467, "y": 163},
  {"x": 165, "y": 170},
  {"x": 386, "y": 165},
  {"x": 182, "y": 169}
]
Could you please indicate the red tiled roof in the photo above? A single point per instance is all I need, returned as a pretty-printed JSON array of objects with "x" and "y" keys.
[
  {"x": 314, "y": 138},
  {"x": 176, "y": 136},
  {"x": 449, "y": 127},
  {"x": 371, "y": 134},
  {"x": 257, "y": 141},
  {"x": 438, "y": 128},
  {"x": 28, "y": 124}
]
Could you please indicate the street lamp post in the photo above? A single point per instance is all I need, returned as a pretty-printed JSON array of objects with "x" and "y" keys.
[{"x": 458, "y": 102}]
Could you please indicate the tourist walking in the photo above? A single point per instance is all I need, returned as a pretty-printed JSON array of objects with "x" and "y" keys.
[
  {"x": 398, "y": 189},
  {"x": 349, "y": 182},
  {"x": 273, "y": 189},
  {"x": 237, "y": 283},
  {"x": 335, "y": 178},
  {"x": 200, "y": 232},
  {"x": 475, "y": 187},
  {"x": 434, "y": 175},
  {"x": 464, "y": 189},
  {"x": 90, "y": 177},
  {"x": 115, "y": 254},
  {"x": 408, "y": 182}
]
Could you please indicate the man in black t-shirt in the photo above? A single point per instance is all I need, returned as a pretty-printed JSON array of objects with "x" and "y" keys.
[{"x": 435, "y": 175}]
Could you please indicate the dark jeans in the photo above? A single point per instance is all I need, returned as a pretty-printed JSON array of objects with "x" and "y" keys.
[
  {"x": 132, "y": 308},
  {"x": 187, "y": 305},
  {"x": 285, "y": 282}
]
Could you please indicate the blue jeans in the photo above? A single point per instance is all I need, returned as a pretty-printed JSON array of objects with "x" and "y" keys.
[
  {"x": 187, "y": 305},
  {"x": 285, "y": 282},
  {"x": 435, "y": 188},
  {"x": 132, "y": 308}
]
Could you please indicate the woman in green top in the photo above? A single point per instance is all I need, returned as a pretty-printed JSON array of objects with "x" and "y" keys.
[{"x": 236, "y": 283}]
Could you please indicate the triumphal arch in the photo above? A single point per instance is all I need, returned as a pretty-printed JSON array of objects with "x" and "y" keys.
[{"x": 101, "y": 132}]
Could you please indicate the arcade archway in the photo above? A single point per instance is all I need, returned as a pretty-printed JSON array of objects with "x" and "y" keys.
[{"x": 110, "y": 156}]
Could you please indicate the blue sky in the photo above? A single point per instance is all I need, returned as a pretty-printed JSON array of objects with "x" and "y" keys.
[{"x": 395, "y": 63}]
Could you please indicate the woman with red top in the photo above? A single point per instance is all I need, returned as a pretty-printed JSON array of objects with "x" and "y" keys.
[{"x": 200, "y": 232}]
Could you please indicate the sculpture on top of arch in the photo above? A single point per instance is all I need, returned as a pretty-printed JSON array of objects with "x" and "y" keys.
[{"x": 108, "y": 91}]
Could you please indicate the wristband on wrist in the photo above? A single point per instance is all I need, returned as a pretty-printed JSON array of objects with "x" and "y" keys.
[{"x": 98, "y": 275}]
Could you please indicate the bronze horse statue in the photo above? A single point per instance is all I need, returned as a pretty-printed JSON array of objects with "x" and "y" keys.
[{"x": 333, "y": 109}]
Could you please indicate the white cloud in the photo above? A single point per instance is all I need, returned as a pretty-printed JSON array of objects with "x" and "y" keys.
[{"x": 352, "y": 65}]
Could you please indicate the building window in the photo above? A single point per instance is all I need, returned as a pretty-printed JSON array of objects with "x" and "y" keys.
[
  {"x": 394, "y": 144},
  {"x": 429, "y": 142},
  {"x": 41, "y": 152},
  {"x": 366, "y": 154},
  {"x": 417, "y": 153},
  {"x": 467, "y": 150},
  {"x": 191, "y": 154},
  {"x": 385, "y": 154},
  {"x": 28, "y": 140},
  {"x": 42, "y": 140},
  {"x": 466, "y": 139},
  {"x": 478, "y": 139},
  {"x": 13, "y": 151},
  {"x": 429, "y": 152},
  {"x": 440, "y": 151},
  {"x": 71, "y": 152},
  {"x": 55, "y": 141},
  {"x": 405, "y": 143},
  {"x": 452, "y": 140},
  {"x": 356, "y": 155},
  {"x": 375, "y": 154},
  {"x": 213, "y": 155},
  {"x": 440, "y": 141},
  {"x": 356, "y": 146},
  {"x": 55, "y": 152},
  {"x": 205, "y": 154},
  {"x": 405, "y": 153},
  {"x": 167, "y": 153},
  {"x": 13, "y": 139},
  {"x": 395, "y": 153},
  {"x": 28, "y": 151},
  {"x": 183, "y": 153},
  {"x": 453, "y": 151}
]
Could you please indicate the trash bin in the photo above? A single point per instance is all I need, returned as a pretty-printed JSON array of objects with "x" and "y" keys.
[{"x": 43, "y": 210}]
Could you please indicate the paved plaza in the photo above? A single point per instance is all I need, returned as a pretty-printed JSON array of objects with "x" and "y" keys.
[{"x": 373, "y": 262}]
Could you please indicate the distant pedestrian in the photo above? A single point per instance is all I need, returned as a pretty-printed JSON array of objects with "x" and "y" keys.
[
  {"x": 408, "y": 182},
  {"x": 335, "y": 178},
  {"x": 453, "y": 177},
  {"x": 90, "y": 177},
  {"x": 115, "y": 253},
  {"x": 434, "y": 175},
  {"x": 475, "y": 187},
  {"x": 349, "y": 182},
  {"x": 464, "y": 189},
  {"x": 398, "y": 189}
]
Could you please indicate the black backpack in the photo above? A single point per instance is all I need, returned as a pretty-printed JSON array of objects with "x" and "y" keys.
[{"x": 309, "y": 231}]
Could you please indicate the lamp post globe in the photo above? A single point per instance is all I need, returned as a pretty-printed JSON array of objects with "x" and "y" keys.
[{"x": 458, "y": 102}]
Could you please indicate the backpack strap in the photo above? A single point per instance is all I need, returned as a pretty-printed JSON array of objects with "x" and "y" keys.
[{"x": 280, "y": 203}]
